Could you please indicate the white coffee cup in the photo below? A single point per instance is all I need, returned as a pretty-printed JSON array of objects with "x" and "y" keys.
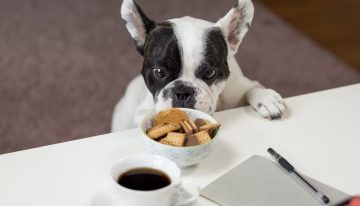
[{"x": 176, "y": 193}]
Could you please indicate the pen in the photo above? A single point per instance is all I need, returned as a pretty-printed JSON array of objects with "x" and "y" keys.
[{"x": 288, "y": 167}]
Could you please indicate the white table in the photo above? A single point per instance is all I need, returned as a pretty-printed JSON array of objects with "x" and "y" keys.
[{"x": 320, "y": 136}]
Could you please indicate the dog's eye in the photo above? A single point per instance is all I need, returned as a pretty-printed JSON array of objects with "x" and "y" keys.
[
  {"x": 159, "y": 73},
  {"x": 209, "y": 73}
]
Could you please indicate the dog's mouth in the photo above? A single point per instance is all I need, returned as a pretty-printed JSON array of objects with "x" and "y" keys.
[
  {"x": 201, "y": 104},
  {"x": 183, "y": 105},
  {"x": 184, "y": 94}
]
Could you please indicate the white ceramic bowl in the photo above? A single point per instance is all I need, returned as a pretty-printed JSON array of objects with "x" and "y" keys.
[{"x": 183, "y": 156}]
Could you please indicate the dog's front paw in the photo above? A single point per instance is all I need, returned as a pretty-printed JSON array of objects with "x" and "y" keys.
[{"x": 266, "y": 102}]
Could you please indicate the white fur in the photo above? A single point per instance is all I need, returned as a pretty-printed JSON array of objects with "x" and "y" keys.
[
  {"x": 134, "y": 24},
  {"x": 237, "y": 91},
  {"x": 237, "y": 21},
  {"x": 189, "y": 33},
  {"x": 135, "y": 103}
]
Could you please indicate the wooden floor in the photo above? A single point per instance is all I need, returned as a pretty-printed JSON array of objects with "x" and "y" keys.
[{"x": 335, "y": 24}]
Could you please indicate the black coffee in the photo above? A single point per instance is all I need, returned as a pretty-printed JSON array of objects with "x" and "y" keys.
[{"x": 144, "y": 179}]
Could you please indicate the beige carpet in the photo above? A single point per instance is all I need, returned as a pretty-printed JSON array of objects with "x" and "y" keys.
[{"x": 64, "y": 64}]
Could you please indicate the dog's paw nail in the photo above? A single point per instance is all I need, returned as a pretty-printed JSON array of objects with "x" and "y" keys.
[{"x": 275, "y": 116}]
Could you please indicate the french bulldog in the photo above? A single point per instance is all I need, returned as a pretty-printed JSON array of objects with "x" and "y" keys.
[{"x": 189, "y": 62}]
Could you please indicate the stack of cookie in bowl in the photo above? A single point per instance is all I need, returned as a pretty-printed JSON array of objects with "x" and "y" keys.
[
  {"x": 185, "y": 136},
  {"x": 174, "y": 127}
]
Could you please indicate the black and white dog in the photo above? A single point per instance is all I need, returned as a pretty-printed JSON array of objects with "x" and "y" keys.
[{"x": 190, "y": 62}]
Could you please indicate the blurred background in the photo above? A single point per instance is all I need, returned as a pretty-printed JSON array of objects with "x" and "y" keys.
[{"x": 64, "y": 64}]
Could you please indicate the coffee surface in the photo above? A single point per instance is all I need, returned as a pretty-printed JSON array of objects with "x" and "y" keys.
[{"x": 144, "y": 179}]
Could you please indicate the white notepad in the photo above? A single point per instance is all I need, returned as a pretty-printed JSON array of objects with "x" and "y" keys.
[{"x": 261, "y": 182}]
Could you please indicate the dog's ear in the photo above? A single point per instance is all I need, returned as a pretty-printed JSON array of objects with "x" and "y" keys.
[
  {"x": 138, "y": 25},
  {"x": 236, "y": 23}
]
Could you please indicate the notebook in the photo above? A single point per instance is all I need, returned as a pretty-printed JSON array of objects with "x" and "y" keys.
[{"x": 259, "y": 181}]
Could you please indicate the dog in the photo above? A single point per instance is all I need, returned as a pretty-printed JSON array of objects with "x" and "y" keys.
[{"x": 189, "y": 62}]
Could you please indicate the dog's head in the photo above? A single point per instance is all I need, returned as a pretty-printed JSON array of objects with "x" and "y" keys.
[{"x": 186, "y": 59}]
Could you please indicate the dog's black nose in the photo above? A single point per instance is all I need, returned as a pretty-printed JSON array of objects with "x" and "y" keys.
[
  {"x": 183, "y": 92},
  {"x": 183, "y": 96}
]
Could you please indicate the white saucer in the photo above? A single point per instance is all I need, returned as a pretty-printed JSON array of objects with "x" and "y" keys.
[{"x": 106, "y": 197}]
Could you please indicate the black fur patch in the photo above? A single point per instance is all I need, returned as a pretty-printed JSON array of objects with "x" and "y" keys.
[
  {"x": 215, "y": 57},
  {"x": 161, "y": 50},
  {"x": 236, "y": 5}
]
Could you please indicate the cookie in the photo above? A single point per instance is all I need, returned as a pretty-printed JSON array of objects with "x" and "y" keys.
[
  {"x": 174, "y": 116},
  {"x": 203, "y": 137},
  {"x": 189, "y": 126},
  {"x": 174, "y": 139},
  {"x": 191, "y": 140},
  {"x": 164, "y": 141},
  {"x": 157, "y": 132},
  {"x": 152, "y": 128},
  {"x": 201, "y": 122},
  {"x": 211, "y": 129}
]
